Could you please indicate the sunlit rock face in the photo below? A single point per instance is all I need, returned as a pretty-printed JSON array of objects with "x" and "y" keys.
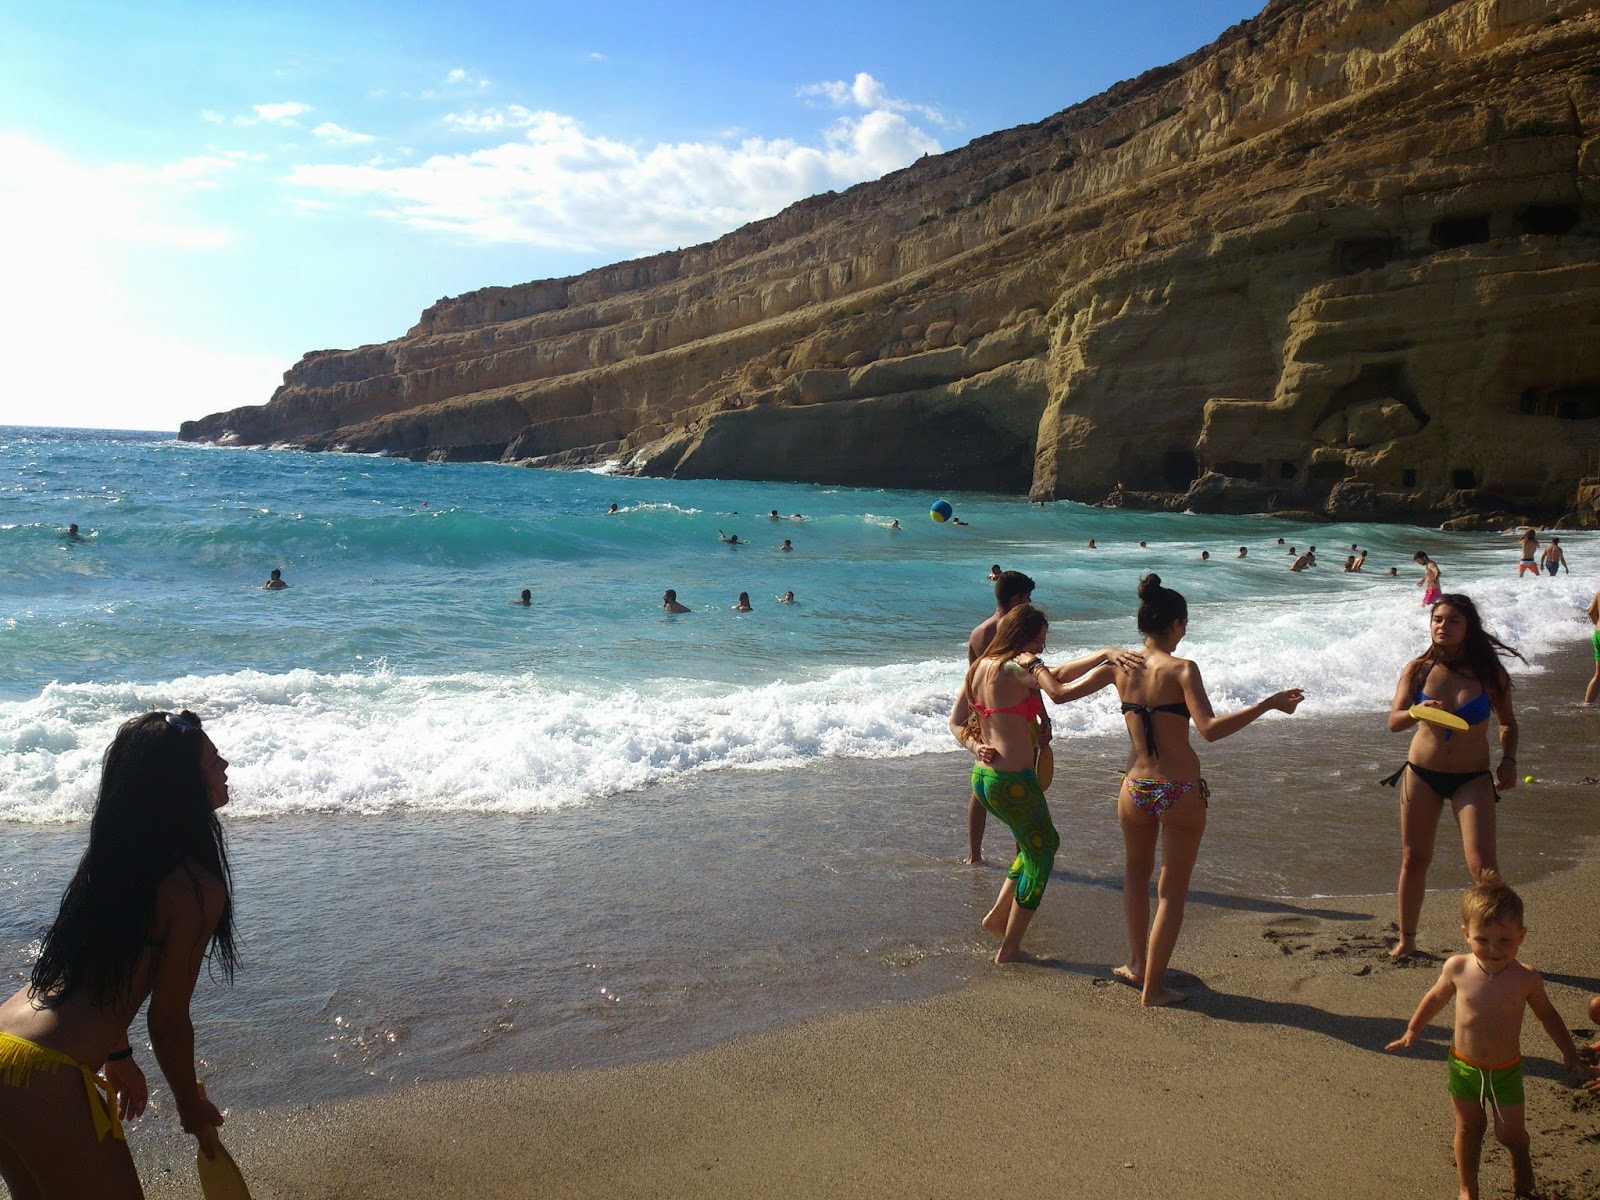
[{"x": 1346, "y": 258}]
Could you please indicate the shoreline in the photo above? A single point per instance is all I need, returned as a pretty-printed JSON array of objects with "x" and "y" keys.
[{"x": 1270, "y": 1081}]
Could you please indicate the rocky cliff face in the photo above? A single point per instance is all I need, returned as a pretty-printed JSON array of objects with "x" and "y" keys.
[{"x": 1345, "y": 258}]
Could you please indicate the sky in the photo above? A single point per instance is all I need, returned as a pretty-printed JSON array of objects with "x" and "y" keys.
[{"x": 194, "y": 195}]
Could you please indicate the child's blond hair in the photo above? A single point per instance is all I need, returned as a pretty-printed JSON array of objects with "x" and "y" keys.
[{"x": 1490, "y": 901}]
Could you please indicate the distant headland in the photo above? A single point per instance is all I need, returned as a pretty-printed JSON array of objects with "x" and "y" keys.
[{"x": 1344, "y": 260}]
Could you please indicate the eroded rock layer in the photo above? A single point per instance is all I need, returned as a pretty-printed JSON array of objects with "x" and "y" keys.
[{"x": 1345, "y": 258}]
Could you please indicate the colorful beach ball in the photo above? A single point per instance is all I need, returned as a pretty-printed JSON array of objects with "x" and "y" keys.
[{"x": 941, "y": 511}]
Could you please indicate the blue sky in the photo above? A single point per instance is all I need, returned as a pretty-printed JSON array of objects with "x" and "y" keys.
[{"x": 193, "y": 195}]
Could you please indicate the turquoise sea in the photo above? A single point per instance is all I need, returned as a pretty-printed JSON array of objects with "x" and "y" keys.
[{"x": 472, "y": 836}]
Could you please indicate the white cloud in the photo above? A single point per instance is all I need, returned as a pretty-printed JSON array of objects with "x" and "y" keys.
[
  {"x": 338, "y": 135},
  {"x": 562, "y": 187},
  {"x": 92, "y": 357},
  {"x": 595, "y": 56},
  {"x": 276, "y": 114},
  {"x": 461, "y": 77},
  {"x": 866, "y": 92}
]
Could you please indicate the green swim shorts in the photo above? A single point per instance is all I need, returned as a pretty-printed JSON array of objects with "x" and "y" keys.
[
  {"x": 1469, "y": 1081},
  {"x": 1017, "y": 799},
  {"x": 1597, "y": 645}
]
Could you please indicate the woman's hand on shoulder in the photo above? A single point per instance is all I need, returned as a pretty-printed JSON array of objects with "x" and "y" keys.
[{"x": 1126, "y": 661}]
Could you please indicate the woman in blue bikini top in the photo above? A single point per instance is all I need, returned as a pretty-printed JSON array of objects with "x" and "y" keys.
[
  {"x": 1163, "y": 798},
  {"x": 1460, "y": 673}
]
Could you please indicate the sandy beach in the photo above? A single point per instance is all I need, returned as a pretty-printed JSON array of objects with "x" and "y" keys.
[{"x": 1271, "y": 1081}]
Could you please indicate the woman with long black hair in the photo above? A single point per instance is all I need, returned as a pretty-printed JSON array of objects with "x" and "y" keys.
[
  {"x": 149, "y": 903},
  {"x": 1460, "y": 673}
]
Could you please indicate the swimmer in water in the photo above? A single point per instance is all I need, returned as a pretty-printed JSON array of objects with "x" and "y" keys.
[
  {"x": 786, "y": 547},
  {"x": 1394, "y": 572},
  {"x": 275, "y": 583},
  {"x": 1304, "y": 561},
  {"x": 786, "y": 598},
  {"x": 612, "y": 509},
  {"x": 1205, "y": 556},
  {"x": 957, "y": 521},
  {"x": 774, "y": 515},
  {"x": 1091, "y": 545},
  {"x": 744, "y": 603},
  {"x": 669, "y": 601},
  {"x": 1243, "y": 551},
  {"x": 72, "y": 535},
  {"x": 1361, "y": 561},
  {"x": 994, "y": 571},
  {"x": 1349, "y": 563},
  {"x": 895, "y": 524},
  {"x": 1142, "y": 546},
  {"x": 526, "y": 599},
  {"x": 731, "y": 539}
]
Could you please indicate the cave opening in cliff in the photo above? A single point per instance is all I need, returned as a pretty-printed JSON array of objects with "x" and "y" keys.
[
  {"x": 1548, "y": 220},
  {"x": 1578, "y": 402},
  {"x": 1380, "y": 381},
  {"x": 1179, "y": 469},
  {"x": 1463, "y": 477},
  {"x": 1450, "y": 232},
  {"x": 1351, "y": 256}
]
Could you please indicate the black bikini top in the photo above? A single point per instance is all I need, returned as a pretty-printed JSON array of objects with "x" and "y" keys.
[{"x": 1177, "y": 709}]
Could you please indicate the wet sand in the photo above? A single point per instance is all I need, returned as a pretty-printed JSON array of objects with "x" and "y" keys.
[{"x": 1271, "y": 1081}]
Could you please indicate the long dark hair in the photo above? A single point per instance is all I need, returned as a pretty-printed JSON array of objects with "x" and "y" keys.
[
  {"x": 1016, "y": 631},
  {"x": 153, "y": 817},
  {"x": 1480, "y": 652}
]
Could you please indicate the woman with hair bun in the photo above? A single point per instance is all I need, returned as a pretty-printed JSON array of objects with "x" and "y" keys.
[
  {"x": 148, "y": 904},
  {"x": 1461, "y": 673},
  {"x": 1163, "y": 796}
]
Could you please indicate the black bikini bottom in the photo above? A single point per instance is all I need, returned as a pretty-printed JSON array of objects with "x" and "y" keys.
[{"x": 1445, "y": 783}]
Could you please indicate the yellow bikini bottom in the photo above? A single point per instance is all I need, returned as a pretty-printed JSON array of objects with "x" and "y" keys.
[{"x": 20, "y": 1058}]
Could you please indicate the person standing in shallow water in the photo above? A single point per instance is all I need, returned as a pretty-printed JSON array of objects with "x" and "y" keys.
[
  {"x": 148, "y": 905},
  {"x": 1163, "y": 796},
  {"x": 1002, "y": 687},
  {"x": 1592, "y": 692},
  {"x": 1461, "y": 673}
]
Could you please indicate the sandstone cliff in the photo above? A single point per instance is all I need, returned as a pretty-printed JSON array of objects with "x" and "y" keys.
[{"x": 1347, "y": 257}]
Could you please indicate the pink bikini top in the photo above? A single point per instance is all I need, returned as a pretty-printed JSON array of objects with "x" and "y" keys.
[{"x": 1030, "y": 705}]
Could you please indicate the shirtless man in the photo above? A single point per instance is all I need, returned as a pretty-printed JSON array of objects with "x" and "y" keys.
[
  {"x": 274, "y": 582},
  {"x": 1304, "y": 561},
  {"x": 1429, "y": 583},
  {"x": 669, "y": 602},
  {"x": 1555, "y": 558},
  {"x": 1530, "y": 553}
]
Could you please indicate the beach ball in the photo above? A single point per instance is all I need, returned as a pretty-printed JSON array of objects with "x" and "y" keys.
[{"x": 941, "y": 511}]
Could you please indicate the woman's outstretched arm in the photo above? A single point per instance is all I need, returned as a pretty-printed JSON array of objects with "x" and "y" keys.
[{"x": 1214, "y": 728}]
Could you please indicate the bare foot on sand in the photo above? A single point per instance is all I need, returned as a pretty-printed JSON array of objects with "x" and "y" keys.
[
  {"x": 1019, "y": 956},
  {"x": 1129, "y": 975},
  {"x": 995, "y": 922},
  {"x": 1162, "y": 998},
  {"x": 973, "y": 860},
  {"x": 1404, "y": 948}
]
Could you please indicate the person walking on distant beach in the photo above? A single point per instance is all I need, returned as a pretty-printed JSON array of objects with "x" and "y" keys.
[
  {"x": 669, "y": 601},
  {"x": 1460, "y": 673},
  {"x": 1002, "y": 688},
  {"x": 1429, "y": 583},
  {"x": 274, "y": 581},
  {"x": 1163, "y": 795},
  {"x": 148, "y": 905},
  {"x": 1555, "y": 558},
  {"x": 1491, "y": 990},
  {"x": 1592, "y": 692},
  {"x": 1530, "y": 553}
]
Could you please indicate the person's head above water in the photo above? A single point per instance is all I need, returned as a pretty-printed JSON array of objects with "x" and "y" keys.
[
  {"x": 773, "y": 514},
  {"x": 1205, "y": 556},
  {"x": 1159, "y": 607},
  {"x": 1010, "y": 589},
  {"x": 276, "y": 573},
  {"x": 160, "y": 786},
  {"x": 1243, "y": 550},
  {"x": 788, "y": 597},
  {"x": 527, "y": 596},
  {"x": 1394, "y": 570}
]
